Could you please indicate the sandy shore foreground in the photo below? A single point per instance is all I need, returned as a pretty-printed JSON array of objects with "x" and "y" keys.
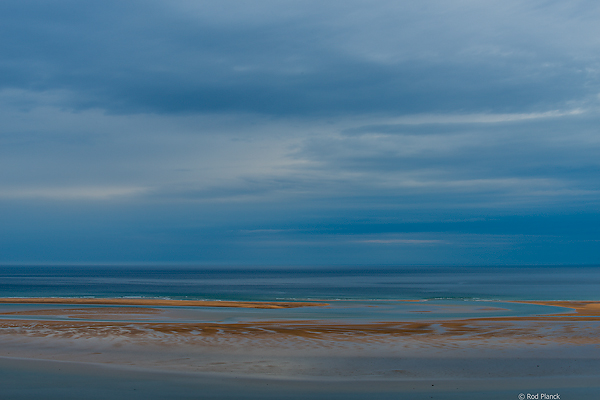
[
  {"x": 465, "y": 358},
  {"x": 75, "y": 381}
]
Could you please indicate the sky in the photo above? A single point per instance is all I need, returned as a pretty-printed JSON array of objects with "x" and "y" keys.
[{"x": 300, "y": 132}]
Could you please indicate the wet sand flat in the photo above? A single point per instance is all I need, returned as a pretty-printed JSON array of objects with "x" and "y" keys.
[
  {"x": 27, "y": 379},
  {"x": 465, "y": 358}
]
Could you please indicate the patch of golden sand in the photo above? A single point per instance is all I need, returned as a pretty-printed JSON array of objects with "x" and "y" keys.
[
  {"x": 159, "y": 302},
  {"x": 583, "y": 311},
  {"x": 579, "y": 327},
  {"x": 428, "y": 333},
  {"x": 582, "y": 308}
]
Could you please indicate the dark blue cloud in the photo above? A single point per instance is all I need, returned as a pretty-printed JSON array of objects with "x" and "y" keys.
[
  {"x": 299, "y": 132},
  {"x": 137, "y": 57}
]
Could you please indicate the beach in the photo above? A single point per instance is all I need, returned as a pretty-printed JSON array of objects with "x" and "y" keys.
[{"x": 556, "y": 347}]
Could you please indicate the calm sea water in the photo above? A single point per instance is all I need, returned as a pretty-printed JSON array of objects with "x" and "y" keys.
[{"x": 358, "y": 283}]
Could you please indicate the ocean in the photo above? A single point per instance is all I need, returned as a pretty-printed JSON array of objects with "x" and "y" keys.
[{"x": 309, "y": 283}]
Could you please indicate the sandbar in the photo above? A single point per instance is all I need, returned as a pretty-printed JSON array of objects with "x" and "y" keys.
[
  {"x": 581, "y": 308},
  {"x": 157, "y": 302}
]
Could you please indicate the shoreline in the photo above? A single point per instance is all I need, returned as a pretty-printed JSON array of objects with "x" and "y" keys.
[
  {"x": 499, "y": 356},
  {"x": 159, "y": 302},
  {"x": 466, "y": 328},
  {"x": 588, "y": 309}
]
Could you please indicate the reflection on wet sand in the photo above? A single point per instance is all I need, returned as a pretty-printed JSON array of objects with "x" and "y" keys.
[{"x": 563, "y": 344}]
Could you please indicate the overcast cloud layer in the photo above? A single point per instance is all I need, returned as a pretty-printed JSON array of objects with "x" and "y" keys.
[{"x": 296, "y": 132}]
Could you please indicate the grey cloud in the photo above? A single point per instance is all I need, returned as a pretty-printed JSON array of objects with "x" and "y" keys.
[
  {"x": 545, "y": 161},
  {"x": 151, "y": 57},
  {"x": 299, "y": 131}
]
